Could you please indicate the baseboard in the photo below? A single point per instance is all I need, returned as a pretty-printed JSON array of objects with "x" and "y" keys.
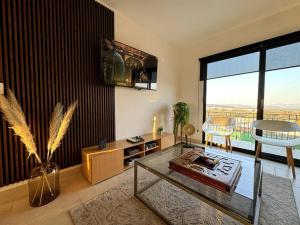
[
  {"x": 20, "y": 189},
  {"x": 70, "y": 171}
]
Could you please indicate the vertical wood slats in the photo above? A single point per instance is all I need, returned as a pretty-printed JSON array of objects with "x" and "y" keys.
[
  {"x": 1, "y": 78},
  {"x": 50, "y": 52}
]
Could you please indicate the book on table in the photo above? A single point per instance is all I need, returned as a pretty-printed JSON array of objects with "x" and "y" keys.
[{"x": 214, "y": 170}]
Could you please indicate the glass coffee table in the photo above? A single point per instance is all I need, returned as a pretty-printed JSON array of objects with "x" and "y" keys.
[{"x": 242, "y": 205}]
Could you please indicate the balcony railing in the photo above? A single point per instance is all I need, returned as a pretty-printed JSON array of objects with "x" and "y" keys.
[{"x": 244, "y": 120}]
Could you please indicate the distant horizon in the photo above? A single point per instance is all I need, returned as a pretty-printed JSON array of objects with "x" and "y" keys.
[
  {"x": 281, "y": 89},
  {"x": 281, "y": 106}
]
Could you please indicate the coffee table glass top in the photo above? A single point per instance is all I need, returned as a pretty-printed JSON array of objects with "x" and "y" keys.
[{"x": 241, "y": 202}]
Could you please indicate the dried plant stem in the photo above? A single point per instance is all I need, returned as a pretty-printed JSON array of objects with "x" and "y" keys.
[
  {"x": 47, "y": 181},
  {"x": 43, "y": 178},
  {"x": 41, "y": 196},
  {"x": 38, "y": 158},
  {"x": 47, "y": 156},
  {"x": 36, "y": 191}
]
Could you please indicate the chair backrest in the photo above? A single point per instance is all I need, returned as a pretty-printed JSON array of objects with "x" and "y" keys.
[
  {"x": 275, "y": 125},
  {"x": 188, "y": 129},
  {"x": 221, "y": 121}
]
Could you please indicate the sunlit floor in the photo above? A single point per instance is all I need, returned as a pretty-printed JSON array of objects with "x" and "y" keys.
[{"x": 75, "y": 189}]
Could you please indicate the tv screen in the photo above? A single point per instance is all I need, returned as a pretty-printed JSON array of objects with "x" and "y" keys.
[{"x": 129, "y": 67}]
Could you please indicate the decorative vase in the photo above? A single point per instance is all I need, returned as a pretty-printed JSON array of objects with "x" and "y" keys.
[{"x": 43, "y": 184}]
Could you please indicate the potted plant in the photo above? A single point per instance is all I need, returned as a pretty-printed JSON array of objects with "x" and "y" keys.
[
  {"x": 181, "y": 113},
  {"x": 160, "y": 130},
  {"x": 44, "y": 178}
]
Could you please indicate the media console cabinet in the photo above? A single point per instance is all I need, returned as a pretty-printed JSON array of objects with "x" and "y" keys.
[{"x": 99, "y": 165}]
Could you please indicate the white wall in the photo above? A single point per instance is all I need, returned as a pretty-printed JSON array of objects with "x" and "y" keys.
[
  {"x": 135, "y": 110},
  {"x": 178, "y": 72},
  {"x": 191, "y": 90}
]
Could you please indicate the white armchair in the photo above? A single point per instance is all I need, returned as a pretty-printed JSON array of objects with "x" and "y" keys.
[
  {"x": 281, "y": 127},
  {"x": 219, "y": 126}
]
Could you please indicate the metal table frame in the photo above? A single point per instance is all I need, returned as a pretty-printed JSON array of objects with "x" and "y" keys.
[{"x": 203, "y": 198}]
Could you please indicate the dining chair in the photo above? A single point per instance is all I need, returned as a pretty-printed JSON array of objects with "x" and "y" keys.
[
  {"x": 219, "y": 126},
  {"x": 283, "y": 127}
]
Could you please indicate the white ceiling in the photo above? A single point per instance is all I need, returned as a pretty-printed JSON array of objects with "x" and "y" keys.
[{"x": 186, "y": 22}]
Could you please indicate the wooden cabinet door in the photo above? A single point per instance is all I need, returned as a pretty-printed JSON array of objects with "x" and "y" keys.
[
  {"x": 106, "y": 165},
  {"x": 167, "y": 141}
]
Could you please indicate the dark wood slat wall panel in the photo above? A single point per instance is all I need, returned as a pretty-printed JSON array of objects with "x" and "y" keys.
[
  {"x": 1, "y": 80},
  {"x": 20, "y": 79},
  {"x": 10, "y": 78},
  {"x": 5, "y": 73},
  {"x": 50, "y": 52},
  {"x": 25, "y": 80}
]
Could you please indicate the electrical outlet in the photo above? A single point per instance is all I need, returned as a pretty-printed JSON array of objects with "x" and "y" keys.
[{"x": 1, "y": 88}]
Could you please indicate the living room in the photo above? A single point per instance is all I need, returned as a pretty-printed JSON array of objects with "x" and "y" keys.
[{"x": 149, "y": 112}]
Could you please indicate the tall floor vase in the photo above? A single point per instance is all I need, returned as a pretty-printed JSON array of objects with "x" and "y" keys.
[{"x": 43, "y": 184}]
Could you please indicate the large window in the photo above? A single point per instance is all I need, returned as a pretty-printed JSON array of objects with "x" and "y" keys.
[
  {"x": 233, "y": 96},
  {"x": 260, "y": 81},
  {"x": 232, "y": 88},
  {"x": 281, "y": 98}
]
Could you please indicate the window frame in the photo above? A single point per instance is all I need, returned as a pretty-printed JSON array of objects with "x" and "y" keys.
[{"x": 260, "y": 47}]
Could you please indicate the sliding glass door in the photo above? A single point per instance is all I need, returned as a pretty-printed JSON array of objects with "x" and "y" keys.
[
  {"x": 232, "y": 88},
  {"x": 282, "y": 92},
  {"x": 233, "y": 97},
  {"x": 259, "y": 81}
]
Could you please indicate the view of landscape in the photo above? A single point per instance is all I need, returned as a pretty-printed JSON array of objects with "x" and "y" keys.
[
  {"x": 236, "y": 96},
  {"x": 246, "y": 115}
]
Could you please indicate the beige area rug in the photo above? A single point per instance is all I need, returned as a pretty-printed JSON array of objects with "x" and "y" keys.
[{"x": 118, "y": 206}]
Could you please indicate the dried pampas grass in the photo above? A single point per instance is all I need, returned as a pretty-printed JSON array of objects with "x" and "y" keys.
[
  {"x": 14, "y": 115},
  {"x": 55, "y": 123},
  {"x": 61, "y": 131}
]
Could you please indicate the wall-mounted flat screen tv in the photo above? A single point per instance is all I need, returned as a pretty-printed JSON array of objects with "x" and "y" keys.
[{"x": 128, "y": 67}]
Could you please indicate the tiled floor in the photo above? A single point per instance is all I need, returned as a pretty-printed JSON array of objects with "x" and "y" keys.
[{"x": 75, "y": 189}]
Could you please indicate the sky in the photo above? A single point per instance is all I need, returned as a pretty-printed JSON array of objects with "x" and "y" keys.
[{"x": 281, "y": 87}]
